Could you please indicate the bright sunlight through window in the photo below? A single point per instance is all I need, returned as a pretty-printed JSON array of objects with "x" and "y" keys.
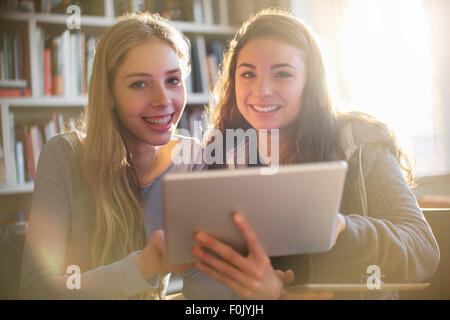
[{"x": 386, "y": 66}]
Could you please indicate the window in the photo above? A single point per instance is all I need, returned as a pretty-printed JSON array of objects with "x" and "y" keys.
[{"x": 386, "y": 65}]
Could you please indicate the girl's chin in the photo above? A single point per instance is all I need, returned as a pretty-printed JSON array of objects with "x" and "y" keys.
[
  {"x": 156, "y": 140},
  {"x": 162, "y": 140},
  {"x": 266, "y": 128}
]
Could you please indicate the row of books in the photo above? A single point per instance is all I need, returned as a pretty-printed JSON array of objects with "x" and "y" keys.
[
  {"x": 66, "y": 62},
  {"x": 12, "y": 65},
  {"x": 206, "y": 58},
  {"x": 49, "y": 6},
  {"x": 28, "y": 140},
  {"x": 17, "y": 6},
  {"x": 14, "y": 91},
  {"x": 185, "y": 10}
]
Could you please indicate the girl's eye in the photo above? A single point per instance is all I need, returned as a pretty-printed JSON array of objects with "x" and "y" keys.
[
  {"x": 138, "y": 85},
  {"x": 247, "y": 75},
  {"x": 283, "y": 74},
  {"x": 174, "y": 81}
]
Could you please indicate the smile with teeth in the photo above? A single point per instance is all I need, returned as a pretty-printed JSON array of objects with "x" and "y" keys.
[
  {"x": 159, "y": 121},
  {"x": 265, "y": 108}
]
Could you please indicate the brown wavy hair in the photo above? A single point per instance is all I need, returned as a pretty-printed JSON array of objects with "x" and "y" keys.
[
  {"x": 316, "y": 123},
  {"x": 316, "y": 133}
]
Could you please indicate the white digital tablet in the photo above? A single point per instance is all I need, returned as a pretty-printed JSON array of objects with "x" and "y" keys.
[{"x": 293, "y": 210}]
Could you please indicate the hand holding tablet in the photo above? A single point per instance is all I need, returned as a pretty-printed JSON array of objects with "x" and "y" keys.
[
  {"x": 293, "y": 211},
  {"x": 251, "y": 276}
]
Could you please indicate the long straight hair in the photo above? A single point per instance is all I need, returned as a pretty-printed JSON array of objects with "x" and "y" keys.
[{"x": 112, "y": 188}]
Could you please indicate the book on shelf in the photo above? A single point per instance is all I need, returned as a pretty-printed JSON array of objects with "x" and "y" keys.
[
  {"x": 45, "y": 6},
  {"x": 40, "y": 43},
  {"x": 12, "y": 133},
  {"x": 200, "y": 77},
  {"x": 87, "y": 7},
  {"x": 77, "y": 58},
  {"x": 208, "y": 12},
  {"x": 67, "y": 70},
  {"x": 63, "y": 62},
  {"x": 31, "y": 139},
  {"x": 54, "y": 6},
  {"x": 17, "y": 6},
  {"x": 216, "y": 10},
  {"x": 184, "y": 10},
  {"x": 198, "y": 13},
  {"x": 214, "y": 52},
  {"x": 15, "y": 92},
  {"x": 13, "y": 84},
  {"x": 56, "y": 66},
  {"x": 20, "y": 163},
  {"x": 89, "y": 58},
  {"x": 122, "y": 7},
  {"x": 47, "y": 72},
  {"x": 28, "y": 153},
  {"x": 2, "y": 165},
  {"x": 196, "y": 77}
]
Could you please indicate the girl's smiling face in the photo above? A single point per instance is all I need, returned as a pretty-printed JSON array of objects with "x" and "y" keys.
[
  {"x": 269, "y": 81},
  {"x": 149, "y": 93}
]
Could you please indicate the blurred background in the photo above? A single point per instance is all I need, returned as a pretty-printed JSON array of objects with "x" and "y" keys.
[{"x": 388, "y": 58}]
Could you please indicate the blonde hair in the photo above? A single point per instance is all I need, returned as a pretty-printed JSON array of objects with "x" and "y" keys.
[{"x": 112, "y": 187}]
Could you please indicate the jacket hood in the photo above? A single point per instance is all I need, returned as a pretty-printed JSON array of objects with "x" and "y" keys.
[{"x": 357, "y": 129}]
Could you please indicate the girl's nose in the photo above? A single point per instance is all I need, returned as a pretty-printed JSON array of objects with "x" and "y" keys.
[
  {"x": 264, "y": 87},
  {"x": 160, "y": 96}
]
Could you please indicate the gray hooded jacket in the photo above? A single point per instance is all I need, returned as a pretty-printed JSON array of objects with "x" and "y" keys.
[{"x": 384, "y": 225}]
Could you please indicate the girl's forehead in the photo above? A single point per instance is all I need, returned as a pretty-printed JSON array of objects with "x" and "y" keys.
[
  {"x": 153, "y": 55},
  {"x": 270, "y": 49}
]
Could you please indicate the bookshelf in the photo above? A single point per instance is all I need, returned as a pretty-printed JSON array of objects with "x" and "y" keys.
[{"x": 34, "y": 101}]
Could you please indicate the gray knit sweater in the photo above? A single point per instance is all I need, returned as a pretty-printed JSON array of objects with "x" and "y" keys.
[{"x": 58, "y": 233}]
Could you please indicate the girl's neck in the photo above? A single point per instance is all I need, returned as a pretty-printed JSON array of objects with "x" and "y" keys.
[
  {"x": 151, "y": 161},
  {"x": 143, "y": 156},
  {"x": 144, "y": 160},
  {"x": 280, "y": 141}
]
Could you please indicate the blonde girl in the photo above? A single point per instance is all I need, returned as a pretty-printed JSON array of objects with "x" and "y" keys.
[{"x": 96, "y": 204}]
